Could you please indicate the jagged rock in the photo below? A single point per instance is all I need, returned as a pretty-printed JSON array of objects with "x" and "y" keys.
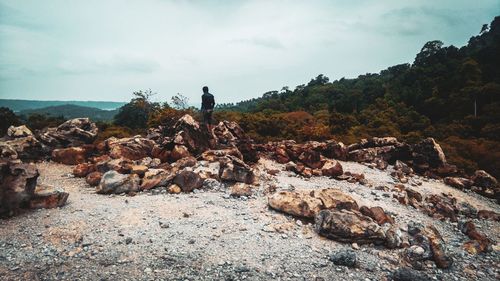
[
  {"x": 479, "y": 243},
  {"x": 174, "y": 189},
  {"x": 48, "y": 197},
  {"x": 189, "y": 161},
  {"x": 157, "y": 177},
  {"x": 335, "y": 150},
  {"x": 139, "y": 170},
  {"x": 74, "y": 132},
  {"x": 482, "y": 179},
  {"x": 188, "y": 132},
  {"x": 348, "y": 226},
  {"x": 19, "y": 132},
  {"x": 179, "y": 152},
  {"x": 381, "y": 164},
  {"x": 82, "y": 170},
  {"x": 401, "y": 166},
  {"x": 344, "y": 257},
  {"x": 248, "y": 150},
  {"x": 214, "y": 155},
  {"x": 228, "y": 134},
  {"x": 331, "y": 168},
  {"x": 17, "y": 185},
  {"x": 94, "y": 178},
  {"x": 72, "y": 155},
  {"x": 308, "y": 203},
  {"x": 241, "y": 189},
  {"x": 188, "y": 181},
  {"x": 413, "y": 195},
  {"x": 428, "y": 154},
  {"x": 149, "y": 162},
  {"x": 160, "y": 152},
  {"x": 24, "y": 148},
  {"x": 311, "y": 158},
  {"x": 114, "y": 182},
  {"x": 461, "y": 183},
  {"x": 442, "y": 206},
  {"x": 234, "y": 169},
  {"x": 134, "y": 148},
  {"x": 377, "y": 213},
  {"x": 408, "y": 274},
  {"x": 121, "y": 165}
]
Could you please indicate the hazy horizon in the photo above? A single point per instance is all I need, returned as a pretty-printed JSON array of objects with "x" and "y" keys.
[{"x": 104, "y": 51}]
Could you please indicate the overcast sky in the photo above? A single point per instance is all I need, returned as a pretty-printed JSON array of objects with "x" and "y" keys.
[{"x": 105, "y": 50}]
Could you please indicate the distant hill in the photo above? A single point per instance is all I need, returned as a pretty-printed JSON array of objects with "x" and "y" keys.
[
  {"x": 20, "y": 105},
  {"x": 73, "y": 111}
]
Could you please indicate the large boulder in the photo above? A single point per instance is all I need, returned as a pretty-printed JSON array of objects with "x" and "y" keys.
[
  {"x": 428, "y": 154},
  {"x": 234, "y": 169},
  {"x": 188, "y": 180},
  {"x": 74, "y": 132},
  {"x": 48, "y": 197},
  {"x": 17, "y": 185},
  {"x": 348, "y": 226},
  {"x": 134, "y": 148},
  {"x": 72, "y": 155},
  {"x": 308, "y": 203},
  {"x": 114, "y": 182}
]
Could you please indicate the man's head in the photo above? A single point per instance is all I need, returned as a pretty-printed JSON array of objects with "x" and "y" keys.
[{"x": 205, "y": 89}]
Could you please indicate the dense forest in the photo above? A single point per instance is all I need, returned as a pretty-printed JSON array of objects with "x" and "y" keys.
[{"x": 449, "y": 93}]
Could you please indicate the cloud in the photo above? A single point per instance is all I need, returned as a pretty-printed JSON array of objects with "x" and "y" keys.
[
  {"x": 271, "y": 43},
  {"x": 115, "y": 64}
]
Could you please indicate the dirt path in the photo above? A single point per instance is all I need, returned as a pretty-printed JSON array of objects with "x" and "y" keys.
[{"x": 210, "y": 236}]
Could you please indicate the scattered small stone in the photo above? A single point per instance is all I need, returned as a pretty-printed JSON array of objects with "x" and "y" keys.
[{"x": 344, "y": 257}]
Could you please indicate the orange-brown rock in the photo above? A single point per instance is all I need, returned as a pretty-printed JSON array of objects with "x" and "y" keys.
[
  {"x": 82, "y": 170},
  {"x": 214, "y": 155},
  {"x": 157, "y": 177},
  {"x": 241, "y": 189},
  {"x": 234, "y": 169},
  {"x": 188, "y": 181},
  {"x": 94, "y": 178},
  {"x": 179, "y": 152},
  {"x": 48, "y": 197},
  {"x": 72, "y": 155},
  {"x": 308, "y": 203},
  {"x": 479, "y": 243},
  {"x": 17, "y": 185},
  {"x": 134, "y": 148},
  {"x": 311, "y": 158},
  {"x": 139, "y": 170},
  {"x": 332, "y": 168},
  {"x": 461, "y": 183},
  {"x": 377, "y": 213}
]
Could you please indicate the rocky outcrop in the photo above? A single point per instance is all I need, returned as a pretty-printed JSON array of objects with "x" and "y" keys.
[
  {"x": 331, "y": 168},
  {"x": 308, "y": 203},
  {"x": 457, "y": 182},
  {"x": 74, "y": 132},
  {"x": 157, "y": 177}
]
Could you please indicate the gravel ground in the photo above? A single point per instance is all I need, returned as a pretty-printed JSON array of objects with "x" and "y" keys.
[{"x": 209, "y": 235}]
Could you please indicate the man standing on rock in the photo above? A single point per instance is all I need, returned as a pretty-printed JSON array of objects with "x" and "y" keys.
[{"x": 207, "y": 107}]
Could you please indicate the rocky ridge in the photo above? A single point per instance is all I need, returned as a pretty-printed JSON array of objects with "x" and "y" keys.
[{"x": 186, "y": 159}]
